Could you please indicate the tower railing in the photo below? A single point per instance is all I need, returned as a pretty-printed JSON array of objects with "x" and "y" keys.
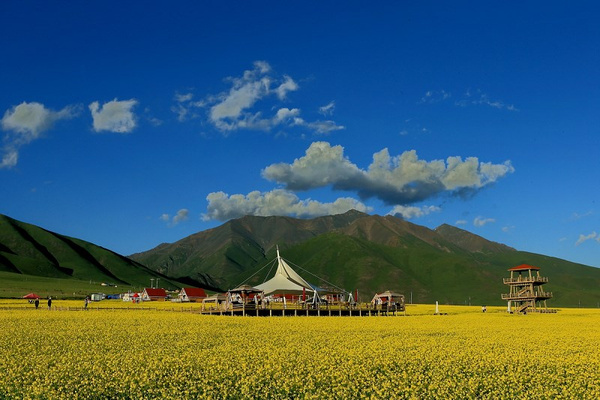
[
  {"x": 525, "y": 279},
  {"x": 527, "y": 295}
]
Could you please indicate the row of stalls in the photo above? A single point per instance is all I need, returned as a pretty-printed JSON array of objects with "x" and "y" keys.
[{"x": 158, "y": 294}]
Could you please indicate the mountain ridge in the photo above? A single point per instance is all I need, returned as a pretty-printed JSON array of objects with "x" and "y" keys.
[
  {"x": 355, "y": 251},
  {"x": 358, "y": 251}
]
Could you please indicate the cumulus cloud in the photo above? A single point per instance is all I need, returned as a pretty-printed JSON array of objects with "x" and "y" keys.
[
  {"x": 25, "y": 123},
  {"x": 585, "y": 238},
  {"x": 396, "y": 180},
  {"x": 222, "y": 206},
  {"x": 182, "y": 215},
  {"x": 480, "y": 221},
  {"x": 410, "y": 212},
  {"x": 114, "y": 116},
  {"x": 285, "y": 114}
]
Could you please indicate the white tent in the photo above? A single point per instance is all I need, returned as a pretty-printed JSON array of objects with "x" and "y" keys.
[{"x": 285, "y": 281}]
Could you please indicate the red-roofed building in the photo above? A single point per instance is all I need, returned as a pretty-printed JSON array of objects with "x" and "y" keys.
[
  {"x": 154, "y": 294},
  {"x": 192, "y": 294}
]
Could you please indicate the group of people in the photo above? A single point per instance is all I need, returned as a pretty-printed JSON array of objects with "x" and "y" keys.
[{"x": 37, "y": 302}]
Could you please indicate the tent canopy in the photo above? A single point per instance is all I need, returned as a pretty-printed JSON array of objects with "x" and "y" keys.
[
  {"x": 285, "y": 281},
  {"x": 247, "y": 289},
  {"x": 31, "y": 296}
]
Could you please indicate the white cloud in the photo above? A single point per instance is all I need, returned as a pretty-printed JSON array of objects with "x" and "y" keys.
[
  {"x": 398, "y": 180},
  {"x": 479, "y": 98},
  {"x": 577, "y": 216},
  {"x": 327, "y": 109},
  {"x": 242, "y": 105},
  {"x": 322, "y": 127},
  {"x": 262, "y": 66},
  {"x": 223, "y": 207},
  {"x": 470, "y": 98},
  {"x": 434, "y": 96},
  {"x": 185, "y": 108},
  {"x": 9, "y": 158},
  {"x": 182, "y": 215},
  {"x": 181, "y": 111},
  {"x": 244, "y": 93},
  {"x": 183, "y": 97},
  {"x": 480, "y": 221},
  {"x": 287, "y": 86},
  {"x": 285, "y": 114},
  {"x": 461, "y": 222},
  {"x": 114, "y": 116},
  {"x": 585, "y": 238},
  {"x": 410, "y": 212},
  {"x": 26, "y": 123}
]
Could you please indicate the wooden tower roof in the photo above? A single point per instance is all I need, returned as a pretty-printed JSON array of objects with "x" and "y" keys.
[{"x": 524, "y": 267}]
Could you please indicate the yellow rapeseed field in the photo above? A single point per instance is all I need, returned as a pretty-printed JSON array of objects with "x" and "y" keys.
[{"x": 120, "y": 353}]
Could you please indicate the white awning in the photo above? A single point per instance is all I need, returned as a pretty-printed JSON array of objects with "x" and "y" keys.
[{"x": 285, "y": 281}]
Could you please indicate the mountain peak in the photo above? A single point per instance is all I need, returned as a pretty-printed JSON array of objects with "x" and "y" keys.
[{"x": 470, "y": 241}]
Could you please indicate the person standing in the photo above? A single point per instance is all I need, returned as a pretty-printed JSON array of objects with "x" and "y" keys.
[
  {"x": 37, "y": 303},
  {"x": 86, "y": 302},
  {"x": 49, "y": 302}
]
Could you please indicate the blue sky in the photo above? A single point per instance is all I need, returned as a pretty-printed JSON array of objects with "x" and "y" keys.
[{"x": 129, "y": 125}]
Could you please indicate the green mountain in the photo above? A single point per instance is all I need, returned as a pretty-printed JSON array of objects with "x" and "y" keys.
[
  {"x": 354, "y": 251},
  {"x": 368, "y": 253},
  {"x": 29, "y": 251}
]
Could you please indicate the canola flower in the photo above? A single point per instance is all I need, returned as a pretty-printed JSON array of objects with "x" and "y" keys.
[{"x": 120, "y": 353}]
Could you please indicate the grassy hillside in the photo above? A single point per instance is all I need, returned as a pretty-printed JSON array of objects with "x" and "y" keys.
[{"x": 28, "y": 251}]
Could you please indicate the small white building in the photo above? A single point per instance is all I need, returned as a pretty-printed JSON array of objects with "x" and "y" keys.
[{"x": 97, "y": 296}]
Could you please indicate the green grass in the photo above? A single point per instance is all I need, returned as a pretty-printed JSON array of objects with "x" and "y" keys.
[{"x": 17, "y": 285}]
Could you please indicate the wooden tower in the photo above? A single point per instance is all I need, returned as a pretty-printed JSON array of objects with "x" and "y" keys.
[{"x": 526, "y": 292}]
